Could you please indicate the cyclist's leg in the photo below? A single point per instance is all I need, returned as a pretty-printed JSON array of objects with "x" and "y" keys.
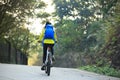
[
  {"x": 44, "y": 56},
  {"x": 52, "y": 51},
  {"x": 44, "y": 52}
]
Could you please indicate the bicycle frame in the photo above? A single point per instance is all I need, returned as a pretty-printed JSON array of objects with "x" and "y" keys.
[{"x": 48, "y": 61}]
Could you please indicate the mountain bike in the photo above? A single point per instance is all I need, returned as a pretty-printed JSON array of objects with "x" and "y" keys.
[{"x": 48, "y": 62}]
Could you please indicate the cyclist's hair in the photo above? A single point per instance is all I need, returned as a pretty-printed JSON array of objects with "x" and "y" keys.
[{"x": 47, "y": 23}]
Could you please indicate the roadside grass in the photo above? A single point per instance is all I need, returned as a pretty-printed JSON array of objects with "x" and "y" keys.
[{"x": 106, "y": 70}]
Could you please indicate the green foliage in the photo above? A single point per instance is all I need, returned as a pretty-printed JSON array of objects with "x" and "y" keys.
[
  {"x": 40, "y": 4},
  {"x": 6, "y": 24},
  {"x": 75, "y": 9},
  {"x": 43, "y": 15},
  {"x": 18, "y": 37},
  {"x": 78, "y": 29},
  {"x": 111, "y": 48},
  {"x": 12, "y": 12},
  {"x": 82, "y": 30},
  {"x": 40, "y": 11},
  {"x": 105, "y": 70},
  {"x": 67, "y": 33},
  {"x": 34, "y": 46},
  {"x": 108, "y": 7},
  {"x": 14, "y": 15}
]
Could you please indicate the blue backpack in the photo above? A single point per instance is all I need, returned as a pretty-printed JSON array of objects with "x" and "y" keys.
[{"x": 49, "y": 32}]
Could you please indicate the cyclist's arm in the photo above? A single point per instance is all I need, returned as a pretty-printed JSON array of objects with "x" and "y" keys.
[{"x": 42, "y": 35}]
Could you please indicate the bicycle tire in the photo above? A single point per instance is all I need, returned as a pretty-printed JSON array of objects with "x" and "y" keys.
[
  {"x": 48, "y": 69},
  {"x": 48, "y": 65}
]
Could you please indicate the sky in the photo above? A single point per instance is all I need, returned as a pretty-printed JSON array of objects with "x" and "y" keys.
[{"x": 36, "y": 27}]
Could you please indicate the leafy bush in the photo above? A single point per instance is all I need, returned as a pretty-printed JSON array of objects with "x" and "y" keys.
[{"x": 106, "y": 70}]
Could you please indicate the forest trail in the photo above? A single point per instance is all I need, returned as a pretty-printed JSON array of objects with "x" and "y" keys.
[{"x": 23, "y": 72}]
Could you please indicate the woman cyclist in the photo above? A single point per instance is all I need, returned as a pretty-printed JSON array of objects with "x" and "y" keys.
[{"x": 48, "y": 38}]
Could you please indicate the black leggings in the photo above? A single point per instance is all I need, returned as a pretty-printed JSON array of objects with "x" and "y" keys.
[{"x": 45, "y": 50}]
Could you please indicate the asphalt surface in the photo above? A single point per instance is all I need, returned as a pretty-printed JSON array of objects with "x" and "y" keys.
[{"x": 22, "y": 72}]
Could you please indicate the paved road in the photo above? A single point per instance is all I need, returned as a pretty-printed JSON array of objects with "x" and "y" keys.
[{"x": 22, "y": 72}]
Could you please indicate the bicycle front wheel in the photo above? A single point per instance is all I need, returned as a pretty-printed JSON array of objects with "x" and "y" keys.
[{"x": 48, "y": 69}]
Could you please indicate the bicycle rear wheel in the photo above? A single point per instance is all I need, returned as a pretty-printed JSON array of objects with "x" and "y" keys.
[{"x": 48, "y": 67}]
